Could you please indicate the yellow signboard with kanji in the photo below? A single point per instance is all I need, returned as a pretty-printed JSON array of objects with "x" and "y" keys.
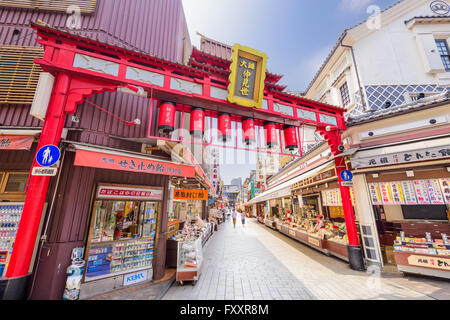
[{"x": 248, "y": 73}]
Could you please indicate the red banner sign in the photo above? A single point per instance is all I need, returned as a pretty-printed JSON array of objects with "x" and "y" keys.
[
  {"x": 116, "y": 162},
  {"x": 16, "y": 142}
]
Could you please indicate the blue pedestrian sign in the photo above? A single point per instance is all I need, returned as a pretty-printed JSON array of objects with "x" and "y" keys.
[
  {"x": 48, "y": 155},
  {"x": 346, "y": 175}
]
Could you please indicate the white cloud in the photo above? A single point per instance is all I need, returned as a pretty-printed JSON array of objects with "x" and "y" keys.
[{"x": 354, "y": 5}]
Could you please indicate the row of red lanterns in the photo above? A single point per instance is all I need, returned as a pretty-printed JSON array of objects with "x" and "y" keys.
[{"x": 166, "y": 125}]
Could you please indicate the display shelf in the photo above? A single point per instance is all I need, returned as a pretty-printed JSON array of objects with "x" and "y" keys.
[
  {"x": 423, "y": 264},
  {"x": 117, "y": 273}
]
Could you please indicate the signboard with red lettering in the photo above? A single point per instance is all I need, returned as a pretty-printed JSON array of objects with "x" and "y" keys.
[
  {"x": 386, "y": 193},
  {"x": 434, "y": 191},
  {"x": 94, "y": 159},
  {"x": 129, "y": 193},
  {"x": 421, "y": 192}
]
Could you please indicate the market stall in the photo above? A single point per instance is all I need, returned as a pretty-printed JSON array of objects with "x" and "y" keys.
[
  {"x": 423, "y": 256},
  {"x": 189, "y": 243},
  {"x": 412, "y": 205}
]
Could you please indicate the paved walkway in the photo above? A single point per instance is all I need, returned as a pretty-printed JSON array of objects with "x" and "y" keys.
[{"x": 256, "y": 262}]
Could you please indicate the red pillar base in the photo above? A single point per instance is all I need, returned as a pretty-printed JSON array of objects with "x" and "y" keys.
[
  {"x": 355, "y": 258},
  {"x": 14, "y": 288}
]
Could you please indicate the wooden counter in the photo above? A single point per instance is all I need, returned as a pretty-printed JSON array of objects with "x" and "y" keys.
[{"x": 337, "y": 249}]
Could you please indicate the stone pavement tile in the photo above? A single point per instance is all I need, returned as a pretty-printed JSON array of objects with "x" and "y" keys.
[{"x": 272, "y": 264}]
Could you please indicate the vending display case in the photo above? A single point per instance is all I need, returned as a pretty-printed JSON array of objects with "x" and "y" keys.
[
  {"x": 10, "y": 214},
  {"x": 190, "y": 258}
]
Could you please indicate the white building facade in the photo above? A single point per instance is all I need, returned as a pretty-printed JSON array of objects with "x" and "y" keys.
[{"x": 390, "y": 59}]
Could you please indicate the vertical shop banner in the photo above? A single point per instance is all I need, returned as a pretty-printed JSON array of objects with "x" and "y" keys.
[
  {"x": 434, "y": 191},
  {"x": 386, "y": 193},
  {"x": 325, "y": 199},
  {"x": 421, "y": 192},
  {"x": 445, "y": 187},
  {"x": 352, "y": 196},
  {"x": 397, "y": 193},
  {"x": 16, "y": 142},
  {"x": 375, "y": 194},
  {"x": 409, "y": 192}
]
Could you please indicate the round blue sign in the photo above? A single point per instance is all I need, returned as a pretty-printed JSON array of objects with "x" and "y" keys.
[
  {"x": 346, "y": 175},
  {"x": 48, "y": 155}
]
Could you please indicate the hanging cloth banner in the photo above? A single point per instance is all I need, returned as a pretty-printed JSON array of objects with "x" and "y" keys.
[{"x": 8, "y": 142}]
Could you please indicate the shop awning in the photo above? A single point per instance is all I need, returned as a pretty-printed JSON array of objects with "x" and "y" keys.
[
  {"x": 284, "y": 189},
  {"x": 402, "y": 153},
  {"x": 17, "y": 139},
  {"x": 113, "y": 159}
]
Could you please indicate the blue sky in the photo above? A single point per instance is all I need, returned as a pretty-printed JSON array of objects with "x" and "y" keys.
[{"x": 297, "y": 35}]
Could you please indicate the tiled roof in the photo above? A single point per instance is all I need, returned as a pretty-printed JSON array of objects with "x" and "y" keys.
[
  {"x": 427, "y": 17},
  {"x": 215, "y": 48},
  {"x": 404, "y": 108}
]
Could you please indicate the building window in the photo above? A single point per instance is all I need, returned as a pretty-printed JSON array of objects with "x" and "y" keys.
[
  {"x": 444, "y": 52},
  {"x": 13, "y": 185},
  {"x": 345, "y": 95}
]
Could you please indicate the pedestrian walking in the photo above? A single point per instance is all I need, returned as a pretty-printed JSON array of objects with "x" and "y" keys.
[
  {"x": 233, "y": 215},
  {"x": 243, "y": 218}
]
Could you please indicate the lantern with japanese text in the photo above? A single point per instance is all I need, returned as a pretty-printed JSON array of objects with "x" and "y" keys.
[
  {"x": 197, "y": 122},
  {"x": 270, "y": 133},
  {"x": 166, "y": 120},
  {"x": 290, "y": 138},
  {"x": 248, "y": 128},
  {"x": 224, "y": 127}
]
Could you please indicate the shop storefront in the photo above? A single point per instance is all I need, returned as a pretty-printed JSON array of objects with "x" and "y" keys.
[
  {"x": 318, "y": 220},
  {"x": 405, "y": 183},
  {"x": 122, "y": 232},
  {"x": 411, "y": 208},
  {"x": 186, "y": 226}
]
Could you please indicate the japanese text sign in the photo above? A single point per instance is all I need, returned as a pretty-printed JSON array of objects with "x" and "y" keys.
[
  {"x": 94, "y": 159},
  {"x": 182, "y": 194},
  {"x": 430, "y": 262},
  {"x": 402, "y": 157},
  {"x": 112, "y": 192},
  {"x": 248, "y": 73}
]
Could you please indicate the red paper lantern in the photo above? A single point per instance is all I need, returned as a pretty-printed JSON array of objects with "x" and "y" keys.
[
  {"x": 270, "y": 132},
  {"x": 248, "y": 128},
  {"x": 166, "y": 120},
  {"x": 290, "y": 138},
  {"x": 197, "y": 122},
  {"x": 224, "y": 127}
]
